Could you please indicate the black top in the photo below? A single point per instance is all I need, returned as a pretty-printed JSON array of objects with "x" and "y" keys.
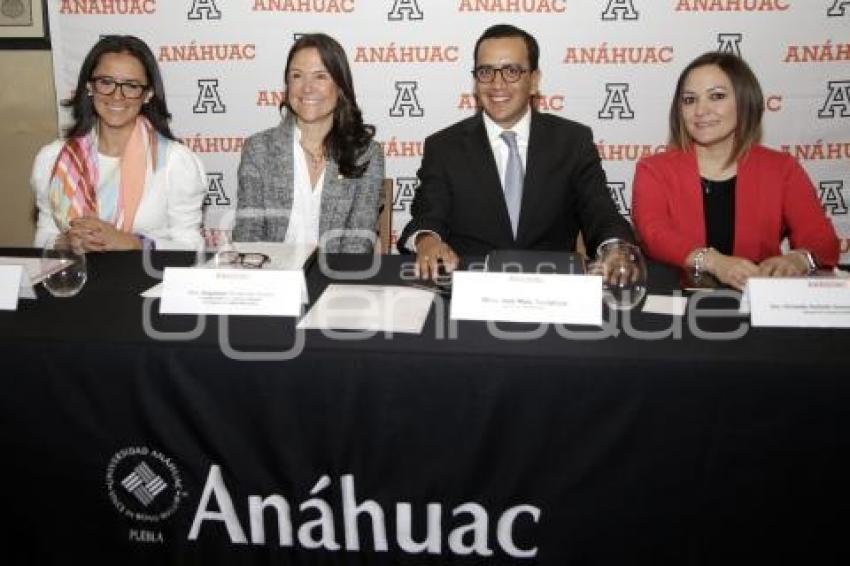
[{"x": 718, "y": 202}]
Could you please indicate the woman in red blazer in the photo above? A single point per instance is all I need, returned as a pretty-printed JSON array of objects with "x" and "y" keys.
[{"x": 719, "y": 203}]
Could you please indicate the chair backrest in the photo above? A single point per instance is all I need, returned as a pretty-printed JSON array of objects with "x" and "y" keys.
[{"x": 384, "y": 228}]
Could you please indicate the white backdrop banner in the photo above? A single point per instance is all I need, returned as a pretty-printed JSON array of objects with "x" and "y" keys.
[{"x": 611, "y": 64}]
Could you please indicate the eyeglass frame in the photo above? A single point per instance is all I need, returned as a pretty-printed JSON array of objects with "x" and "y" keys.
[
  {"x": 500, "y": 71},
  {"x": 239, "y": 258},
  {"x": 116, "y": 85}
]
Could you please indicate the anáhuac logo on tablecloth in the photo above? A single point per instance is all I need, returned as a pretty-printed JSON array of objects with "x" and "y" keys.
[
  {"x": 144, "y": 484},
  {"x": 468, "y": 529}
]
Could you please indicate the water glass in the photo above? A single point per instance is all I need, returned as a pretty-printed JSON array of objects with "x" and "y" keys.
[
  {"x": 623, "y": 271},
  {"x": 67, "y": 267}
]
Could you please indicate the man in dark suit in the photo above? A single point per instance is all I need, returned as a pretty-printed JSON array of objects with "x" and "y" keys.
[{"x": 476, "y": 196}]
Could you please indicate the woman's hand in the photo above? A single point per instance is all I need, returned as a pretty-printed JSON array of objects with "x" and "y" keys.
[
  {"x": 95, "y": 235},
  {"x": 788, "y": 265},
  {"x": 730, "y": 270}
]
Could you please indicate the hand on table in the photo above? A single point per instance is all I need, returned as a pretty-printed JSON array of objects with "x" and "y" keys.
[
  {"x": 788, "y": 265},
  {"x": 94, "y": 235},
  {"x": 430, "y": 251}
]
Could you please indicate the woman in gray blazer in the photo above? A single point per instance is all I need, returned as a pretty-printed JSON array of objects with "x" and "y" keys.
[{"x": 316, "y": 177}]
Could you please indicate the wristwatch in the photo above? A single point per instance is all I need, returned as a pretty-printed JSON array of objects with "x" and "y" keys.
[{"x": 811, "y": 264}]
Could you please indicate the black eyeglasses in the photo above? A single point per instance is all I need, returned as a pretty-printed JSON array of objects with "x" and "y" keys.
[
  {"x": 250, "y": 260},
  {"x": 487, "y": 73},
  {"x": 107, "y": 85}
]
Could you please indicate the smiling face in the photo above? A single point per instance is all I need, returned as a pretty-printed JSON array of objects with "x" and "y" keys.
[
  {"x": 708, "y": 107},
  {"x": 116, "y": 111},
  {"x": 310, "y": 90},
  {"x": 505, "y": 102}
]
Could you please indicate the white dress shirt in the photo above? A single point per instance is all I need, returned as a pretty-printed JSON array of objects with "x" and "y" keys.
[{"x": 303, "y": 225}]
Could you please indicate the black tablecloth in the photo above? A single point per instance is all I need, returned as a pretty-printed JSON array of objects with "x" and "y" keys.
[{"x": 131, "y": 435}]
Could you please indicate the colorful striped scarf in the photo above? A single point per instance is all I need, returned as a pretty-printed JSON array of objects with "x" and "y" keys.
[{"x": 75, "y": 179}]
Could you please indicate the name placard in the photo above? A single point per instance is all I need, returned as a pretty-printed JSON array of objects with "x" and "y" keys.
[
  {"x": 811, "y": 302},
  {"x": 10, "y": 284},
  {"x": 527, "y": 297},
  {"x": 250, "y": 292}
]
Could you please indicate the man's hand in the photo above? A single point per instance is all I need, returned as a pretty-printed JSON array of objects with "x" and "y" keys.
[
  {"x": 430, "y": 250},
  {"x": 95, "y": 235}
]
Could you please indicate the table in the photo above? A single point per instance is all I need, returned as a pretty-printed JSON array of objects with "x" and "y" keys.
[{"x": 135, "y": 438}]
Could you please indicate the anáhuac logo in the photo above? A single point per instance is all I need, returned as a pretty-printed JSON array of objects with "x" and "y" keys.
[
  {"x": 831, "y": 198},
  {"x": 108, "y": 7},
  {"x": 618, "y": 195},
  {"x": 204, "y": 10},
  {"x": 216, "y": 195},
  {"x": 839, "y": 8},
  {"x": 616, "y": 103},
  {"x": 620, "y": 10},
  {"x": 732, "y": 5},
  {"x": 318, "y": 6},
  {"x": 837, "y": 102},
  {"x": 404, "y": 195},
  {"x": 209, "y": 99},
  {"x": 520, "y": 6},
  {"x": 730, "y": 43},
  {"x": 406, "y": 102},
  {"x": 405, "y": 10},
  {"x": 144, "y": 484}
]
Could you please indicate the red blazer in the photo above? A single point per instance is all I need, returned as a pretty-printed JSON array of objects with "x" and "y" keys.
[{"x": 774, "y": 198}]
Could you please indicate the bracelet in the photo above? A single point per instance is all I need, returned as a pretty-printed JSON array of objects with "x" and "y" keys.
[
  {"x": 811, "y": 264},
  {"x": 699, "y": 261}
]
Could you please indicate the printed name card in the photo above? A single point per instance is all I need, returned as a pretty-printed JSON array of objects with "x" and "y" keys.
[
  {"x": 809, "y": 302},
  {"x": 527, "y": 297},
  {"x": 251, "y": 292},
  {"x": 10, "y": 284}
]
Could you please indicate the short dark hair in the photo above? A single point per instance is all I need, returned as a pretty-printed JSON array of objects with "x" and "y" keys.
[
  {"x": 506, "y": 30},
  {"x": 749, "y": 102},
  {"x": 349, "y": 137},
  {"x": 81, "y": 105}
]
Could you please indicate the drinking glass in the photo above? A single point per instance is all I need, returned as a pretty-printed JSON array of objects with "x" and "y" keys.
[
  {"x": 67, "y": 266},
  {"x": 623, "y": 271}
]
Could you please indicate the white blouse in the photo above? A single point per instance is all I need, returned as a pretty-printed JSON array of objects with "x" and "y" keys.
[{"x": 306, "y": 202}]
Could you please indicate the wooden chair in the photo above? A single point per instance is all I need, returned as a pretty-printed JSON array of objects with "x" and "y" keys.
[{"x": 384, "y": 228}]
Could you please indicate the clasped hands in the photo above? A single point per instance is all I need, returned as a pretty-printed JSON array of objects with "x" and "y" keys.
[
  {"x": 734, "y": 271},
  {"x": 94, "y": 235}
]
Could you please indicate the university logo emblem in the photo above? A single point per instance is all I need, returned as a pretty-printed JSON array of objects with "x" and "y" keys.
[
  {"x": 144, "y": 484},
  {"x": 405, "y": 10},
  {"x": 216, "y": 195},
  {"x": 404, "y": 195},
  {"x": 618, "y": 195},
  {"x": 729, "y": 43},
  {"x": 839, "y": 8},
  {"x": 204, "y": 10},
  {"x": 831, "y": 198},
  {"x": 208, "y": 98},
  {"x": 616, "y": 103},
  {"x": 620, "y": 10},
  {"x": 406, "y": 101},
  {"x": 837, "y": 100}
]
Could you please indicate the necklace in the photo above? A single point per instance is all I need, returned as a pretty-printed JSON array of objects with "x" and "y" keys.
[{"x": 316, "y": 157}]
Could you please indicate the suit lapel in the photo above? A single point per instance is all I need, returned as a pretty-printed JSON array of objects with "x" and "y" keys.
[
  {"x": 333, "y": 203},
  {"x": 281, "y": 179},
  {"x": 483, "y": 167}
]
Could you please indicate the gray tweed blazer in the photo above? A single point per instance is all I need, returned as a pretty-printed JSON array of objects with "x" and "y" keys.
[{"x": 264, "y": 198}]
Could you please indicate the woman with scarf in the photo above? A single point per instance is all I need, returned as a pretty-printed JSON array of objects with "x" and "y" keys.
[{"x": 119, "y": 180}]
